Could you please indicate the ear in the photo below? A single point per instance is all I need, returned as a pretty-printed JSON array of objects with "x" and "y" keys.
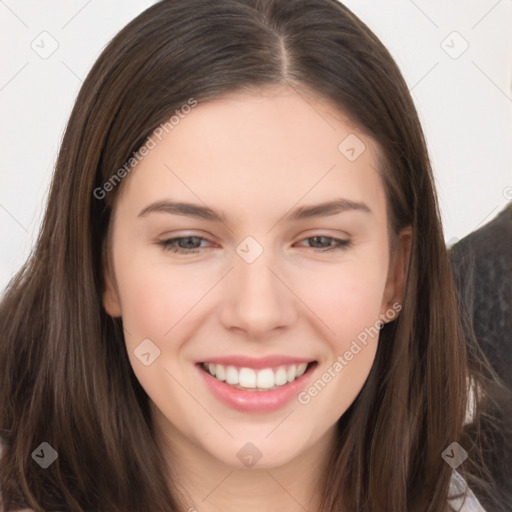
[
  {"x": 397, "y": 275},
  {"x": 111, "y": 301}
]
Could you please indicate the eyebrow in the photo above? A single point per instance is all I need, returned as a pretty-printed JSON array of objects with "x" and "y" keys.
[{"x": 303, "y": 212}]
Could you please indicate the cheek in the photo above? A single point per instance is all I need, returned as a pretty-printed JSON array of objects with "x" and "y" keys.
[
  {"x": 348, "y": 302},
  {"x": 347, "y": 297},
  {"x": 155, "y": 296}
]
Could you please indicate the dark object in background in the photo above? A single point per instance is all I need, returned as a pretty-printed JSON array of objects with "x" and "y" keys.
[{"x": 482, "y": 267}]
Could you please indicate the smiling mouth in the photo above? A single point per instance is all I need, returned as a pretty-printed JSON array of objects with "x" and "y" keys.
[{"x": 262, "y": 379}]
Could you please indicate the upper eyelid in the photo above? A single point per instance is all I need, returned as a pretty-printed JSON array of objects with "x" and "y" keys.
[{"x": 343, "y": 236}]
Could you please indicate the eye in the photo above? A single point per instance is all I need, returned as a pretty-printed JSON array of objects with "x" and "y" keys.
[
  {"x": 192, "y": 244},
  {"x": 338, "y": 243},
  {"x": 183, "y": 244}
]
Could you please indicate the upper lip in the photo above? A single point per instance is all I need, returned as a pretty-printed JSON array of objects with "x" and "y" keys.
[{"x": 256, "y": 362}]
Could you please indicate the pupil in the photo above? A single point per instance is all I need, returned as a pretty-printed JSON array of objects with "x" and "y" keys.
[{"x": 187, "y": 241}]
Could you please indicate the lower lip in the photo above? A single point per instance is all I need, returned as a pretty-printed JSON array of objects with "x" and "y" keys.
[{"x": 256, "y": 401}]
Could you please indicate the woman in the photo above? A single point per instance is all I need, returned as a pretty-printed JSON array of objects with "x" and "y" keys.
[{"x": 302, "y": 349}]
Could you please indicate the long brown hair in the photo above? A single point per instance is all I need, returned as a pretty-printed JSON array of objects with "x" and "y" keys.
[{"x": 66, "y": 378}]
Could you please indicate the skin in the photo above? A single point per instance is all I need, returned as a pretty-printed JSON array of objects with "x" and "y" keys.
[{"x": 253, "y": 156}]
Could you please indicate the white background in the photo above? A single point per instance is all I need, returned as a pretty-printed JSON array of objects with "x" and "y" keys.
[{"x": 465, "y": 103}]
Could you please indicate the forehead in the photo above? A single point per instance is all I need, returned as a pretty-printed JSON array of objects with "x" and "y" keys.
[{"x": 256, "y": 151}]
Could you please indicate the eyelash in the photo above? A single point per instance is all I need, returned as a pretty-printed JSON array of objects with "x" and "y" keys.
[{"x": 169, "y": 245}]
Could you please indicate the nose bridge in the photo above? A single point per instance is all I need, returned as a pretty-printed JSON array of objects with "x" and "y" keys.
[{"x": 258, "y": 300}]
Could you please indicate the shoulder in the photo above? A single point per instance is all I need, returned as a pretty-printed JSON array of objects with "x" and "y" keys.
[{"x": 467, "y": 502}]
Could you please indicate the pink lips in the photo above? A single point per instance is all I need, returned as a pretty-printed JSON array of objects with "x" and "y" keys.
[{"x": 256, "y": 401}]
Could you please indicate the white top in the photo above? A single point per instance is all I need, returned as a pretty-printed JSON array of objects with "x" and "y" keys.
[{"x": 470, "y": 503}]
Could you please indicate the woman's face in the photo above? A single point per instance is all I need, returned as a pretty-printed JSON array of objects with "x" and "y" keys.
[{"x": 252, "y": 275}]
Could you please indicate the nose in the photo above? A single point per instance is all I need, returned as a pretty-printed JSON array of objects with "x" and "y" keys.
[{"x": 256, "y": 298}]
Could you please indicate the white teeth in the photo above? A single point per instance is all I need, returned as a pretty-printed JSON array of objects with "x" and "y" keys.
[
  {"x": 248, "y": 378},
  {"x": 281, "y": 376},
  {"x": 266, "y": 379},
  {"x": 220, "y": 373},
  {"x": 301, "y": 369},
  {"x": 231, "y": 375}
]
